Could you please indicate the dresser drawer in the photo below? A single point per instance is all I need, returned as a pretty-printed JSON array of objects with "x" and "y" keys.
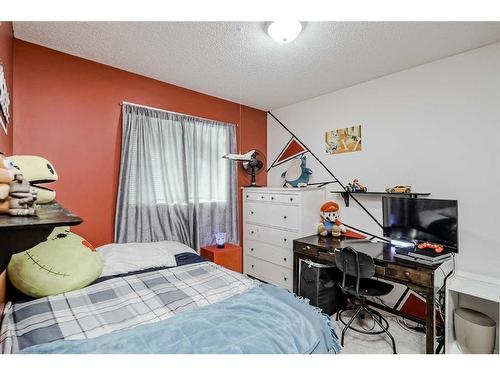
[
  {"x": 268, "y": 272},
  {"x": 273, "y": 236},
  {"x": 411, "y": 275},
  {"x": 274, "y": 254},
  {"x": 256, "y": 196},
  {"x": 281, "y": 216},
  {"x": 285, "y": 198}
]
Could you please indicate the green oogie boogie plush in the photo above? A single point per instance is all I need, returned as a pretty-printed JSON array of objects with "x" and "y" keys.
[{"x": 64, "y": 262}]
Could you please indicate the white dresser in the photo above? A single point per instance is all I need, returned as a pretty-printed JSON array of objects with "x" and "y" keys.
[{"x": 272, "y": 219}]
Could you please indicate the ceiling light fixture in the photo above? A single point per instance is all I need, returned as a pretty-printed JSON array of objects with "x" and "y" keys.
[{"x": 284, "y": 31}]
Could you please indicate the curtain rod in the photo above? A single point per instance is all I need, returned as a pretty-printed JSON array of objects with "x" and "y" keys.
[{"x": 175, "y": 113}]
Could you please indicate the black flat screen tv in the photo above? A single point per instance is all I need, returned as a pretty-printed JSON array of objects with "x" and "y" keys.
[{"x": 421, "y": 220}]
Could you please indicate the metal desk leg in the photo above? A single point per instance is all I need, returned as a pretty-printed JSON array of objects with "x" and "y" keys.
[
  {"x": 430, "y": 325},
  {"x": 295, "y": 273}
]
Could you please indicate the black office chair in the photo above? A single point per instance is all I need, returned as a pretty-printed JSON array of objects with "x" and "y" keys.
[{"x": 357, "y": 272}]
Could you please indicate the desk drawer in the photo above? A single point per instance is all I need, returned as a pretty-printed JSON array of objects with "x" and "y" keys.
[
  {"x": 314, "y": 252},
  {"x": 304, "y": 249},
  {"x": 409, "y": 274}
]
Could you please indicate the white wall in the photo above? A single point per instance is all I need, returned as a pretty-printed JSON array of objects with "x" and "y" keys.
[{"x": 435, "y": 127}]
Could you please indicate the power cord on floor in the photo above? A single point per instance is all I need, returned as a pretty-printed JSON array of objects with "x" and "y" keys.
[
  {"x": 417, "y": 327},
  {"x": 402, "y": 321}
]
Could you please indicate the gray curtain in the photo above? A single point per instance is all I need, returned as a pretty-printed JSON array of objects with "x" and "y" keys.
[{"x": 174, "y": 183}]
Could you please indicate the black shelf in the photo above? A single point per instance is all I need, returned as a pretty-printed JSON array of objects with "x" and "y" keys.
[
  {"x": 19, "y": 233},
  {"x": 346, "y": 194}
]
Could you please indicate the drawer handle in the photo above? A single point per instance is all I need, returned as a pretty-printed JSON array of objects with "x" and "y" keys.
[
  {"x": 272, "y": 198},
  {"x": 284, "y": 259},
  {"x": 247, "y": 196},
  {"x": 252, "y": 232},
  {"x": 261, "y": 197},
  {"x": 251, "y": 249},
  {"x": 306, "y": 248},
  {"x": 252, "y": 265},
  {"x": 284, "y": 239},
  {"x": 291, "y": 199},
  {"x": 284, "y": 217},
  {"x": 285, "y": 278},
  {"x": 251, "y": 212},
  {"x": 407, "y": 274}
]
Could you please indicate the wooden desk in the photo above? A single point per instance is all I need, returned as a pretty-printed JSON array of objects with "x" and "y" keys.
[{"x": 417, "y": 277}]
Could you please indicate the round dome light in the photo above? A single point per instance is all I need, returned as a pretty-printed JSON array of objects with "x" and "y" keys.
[{"x": 284, "y": 31}]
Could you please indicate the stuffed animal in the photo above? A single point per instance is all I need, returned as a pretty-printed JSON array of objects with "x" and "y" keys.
[
  {"x": 298, "y": 174},
  {"x": 22, "y": 198},
  {"x": 16, "y": 196},
  {"x": 64, "y": 262},
  {"x": 330, "y": 223},
  {"x": 37, "y": 170},
  {"x": 6, "y": 176}
]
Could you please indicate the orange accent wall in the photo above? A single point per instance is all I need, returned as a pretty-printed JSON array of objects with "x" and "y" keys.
[
  {"x": 6, "y": 53},
  {"x": 67, "y": 110}
]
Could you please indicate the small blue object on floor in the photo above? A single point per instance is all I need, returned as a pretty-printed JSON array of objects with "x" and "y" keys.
[{"x": 264, "y": 319}]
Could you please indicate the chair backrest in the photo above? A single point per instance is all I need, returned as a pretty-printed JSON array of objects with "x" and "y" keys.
[{"x": 355, "y": 264}]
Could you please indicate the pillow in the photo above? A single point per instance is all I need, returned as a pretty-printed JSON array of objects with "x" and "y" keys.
[
  {"x": 127, "y": 257},
  {"x": 64, "y": 262}
]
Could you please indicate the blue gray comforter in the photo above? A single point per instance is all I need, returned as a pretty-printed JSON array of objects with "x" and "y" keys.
[{"x": 263, "y": 319}]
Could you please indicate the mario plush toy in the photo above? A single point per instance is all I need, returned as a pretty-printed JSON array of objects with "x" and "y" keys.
[{"x": 330, "y": 223}]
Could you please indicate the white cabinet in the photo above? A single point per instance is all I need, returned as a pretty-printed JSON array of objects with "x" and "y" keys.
[
  {"x": 272, "y": 219},
  {"x": 475, "y": 292}
]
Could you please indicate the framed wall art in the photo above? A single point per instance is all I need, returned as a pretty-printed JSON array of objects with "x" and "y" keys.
[
  {"x": 343, "y": 140},
  {"x": 4, "y": 101}
]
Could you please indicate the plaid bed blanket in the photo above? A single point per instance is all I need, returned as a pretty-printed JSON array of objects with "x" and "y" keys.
[{"x": 117, "y": 304}]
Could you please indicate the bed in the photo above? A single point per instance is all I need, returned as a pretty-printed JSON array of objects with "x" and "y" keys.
[{"x": 184, "y": 306}]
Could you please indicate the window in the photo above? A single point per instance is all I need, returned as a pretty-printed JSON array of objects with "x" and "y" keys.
[{"x": 172, "y": 170}]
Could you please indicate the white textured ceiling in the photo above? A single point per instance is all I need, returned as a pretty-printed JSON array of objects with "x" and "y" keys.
[{"x": 239, "y": 62}]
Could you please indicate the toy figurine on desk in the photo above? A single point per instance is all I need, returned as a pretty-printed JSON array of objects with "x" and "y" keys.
[{"x": 330, "y": 223}]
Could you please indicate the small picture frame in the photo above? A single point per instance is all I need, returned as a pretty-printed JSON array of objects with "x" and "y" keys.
[
  {"x": 3, "y": 124},
  {"x": 4, "y": 101},
  {"x": 343, "y": 140}
]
